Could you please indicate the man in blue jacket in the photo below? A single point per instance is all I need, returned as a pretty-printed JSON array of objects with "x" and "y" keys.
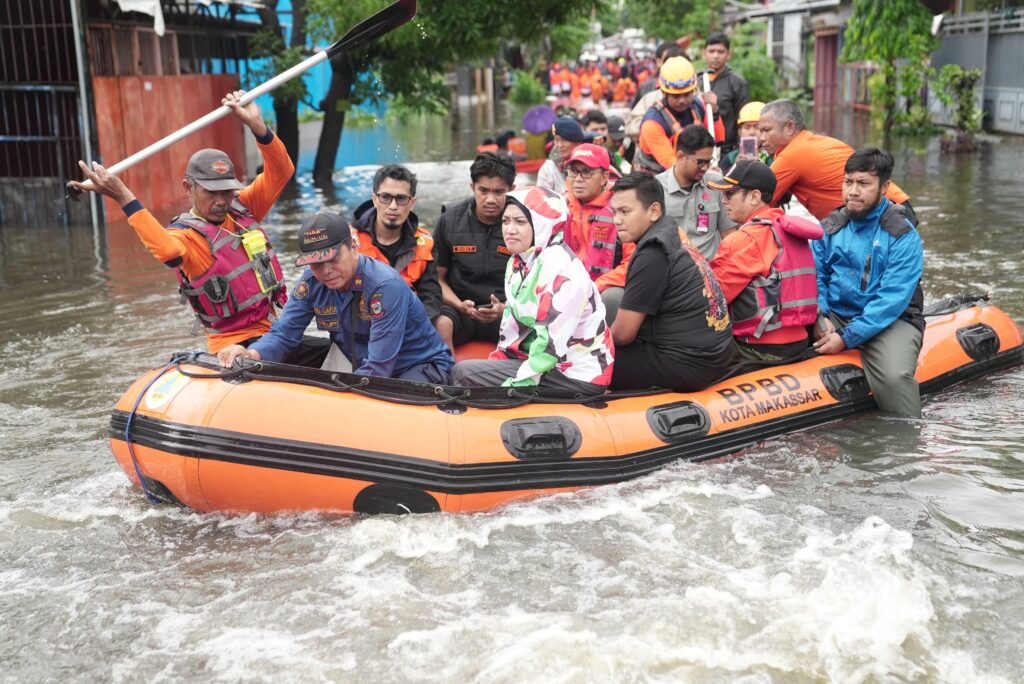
[
  {"x": 869, "y": 283},
  {"x": 363, "y": 304}
]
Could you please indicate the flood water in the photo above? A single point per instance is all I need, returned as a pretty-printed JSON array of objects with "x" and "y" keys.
[{"x": 874, "y": 549}]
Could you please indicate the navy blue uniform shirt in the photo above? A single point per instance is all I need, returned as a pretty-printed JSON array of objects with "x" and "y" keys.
[{"x": 379, "y": 318}]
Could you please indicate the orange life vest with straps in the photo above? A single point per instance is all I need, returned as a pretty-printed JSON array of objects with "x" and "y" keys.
[{"x": 410, "y": 265}]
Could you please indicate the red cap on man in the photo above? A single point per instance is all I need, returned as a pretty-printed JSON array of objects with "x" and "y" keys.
[{"x": 594, "y": 156}]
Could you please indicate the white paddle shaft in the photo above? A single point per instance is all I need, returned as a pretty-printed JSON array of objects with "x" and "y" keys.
[{"x": 216, "y": 114}]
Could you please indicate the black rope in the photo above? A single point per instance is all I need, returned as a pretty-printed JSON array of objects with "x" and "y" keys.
[{"x": 393, "y": 390}]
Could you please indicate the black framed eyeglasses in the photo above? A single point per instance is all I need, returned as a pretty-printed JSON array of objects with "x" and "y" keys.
[
  {"x": 386, "y": 198},
  {"x": 584, "y": 172}
]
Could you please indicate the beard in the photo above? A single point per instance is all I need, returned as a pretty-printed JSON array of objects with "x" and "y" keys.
[
  {"x": 390, "y": 225},
  {"x": 862, "y": 214}
]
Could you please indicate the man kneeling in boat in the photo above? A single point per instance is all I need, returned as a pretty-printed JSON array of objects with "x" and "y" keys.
[
  {"x": 553, "y": 329},
  {"x": 672, "y": 329},
  {"x": 766, "y": 268},
  {"x": 365, "y": 306},
  {"x": 869, "y": 283},
  {"x": 225, "y": 264}
]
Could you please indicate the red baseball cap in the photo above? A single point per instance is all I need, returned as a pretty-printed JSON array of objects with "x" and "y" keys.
[{"x": 589, "y": 154}]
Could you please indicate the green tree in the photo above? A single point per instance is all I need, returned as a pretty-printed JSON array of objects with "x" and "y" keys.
[
  {"x": 270, "y": 42},
  {"x": 957, "y": 87},
  {"x": 409, "y": 62},
  {"x": 673, "y": 19},
  {"x": 885, "y": 32}
]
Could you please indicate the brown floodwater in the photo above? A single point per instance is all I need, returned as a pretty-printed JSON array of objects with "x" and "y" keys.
[{"x": 871, "y": 549}]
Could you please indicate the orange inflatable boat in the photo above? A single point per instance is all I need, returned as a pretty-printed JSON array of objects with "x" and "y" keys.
[{"x": 272, "y": 438}]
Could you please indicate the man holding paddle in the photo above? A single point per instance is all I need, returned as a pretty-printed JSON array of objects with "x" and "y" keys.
[{"x": 225, "y": 264}]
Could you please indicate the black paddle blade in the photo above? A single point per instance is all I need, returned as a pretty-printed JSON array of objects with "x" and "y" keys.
[{"x": 371, "y": 28}]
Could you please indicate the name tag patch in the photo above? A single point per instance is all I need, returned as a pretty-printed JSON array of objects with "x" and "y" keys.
[
  {"x": 327, "y": 322},
  {"x": 464, "y": 249}
]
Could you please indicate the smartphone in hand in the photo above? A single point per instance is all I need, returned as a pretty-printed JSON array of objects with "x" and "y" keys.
[{"x": 748, "y": 147}]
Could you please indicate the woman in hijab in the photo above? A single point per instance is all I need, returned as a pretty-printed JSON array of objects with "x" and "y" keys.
[{"x": 553, "y": 332}]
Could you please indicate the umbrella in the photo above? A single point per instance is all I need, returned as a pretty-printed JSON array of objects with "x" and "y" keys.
[{"x": 538, "y": 119}]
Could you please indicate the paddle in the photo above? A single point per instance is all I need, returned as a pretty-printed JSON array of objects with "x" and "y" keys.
[
  {"x": 709, "y": 120},
  {"x": 369, "y": 29}
]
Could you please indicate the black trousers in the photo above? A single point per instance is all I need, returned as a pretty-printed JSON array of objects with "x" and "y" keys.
[{"x": 641, "y": 365}]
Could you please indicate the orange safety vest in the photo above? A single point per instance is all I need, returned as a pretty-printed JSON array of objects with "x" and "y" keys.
[{"x": 412, "y": 265}]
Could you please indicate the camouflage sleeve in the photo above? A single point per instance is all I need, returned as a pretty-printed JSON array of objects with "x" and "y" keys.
[{"x": 560, "y": 301}]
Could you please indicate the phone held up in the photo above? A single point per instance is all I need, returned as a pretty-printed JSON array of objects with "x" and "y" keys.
[{"x": 748, "y": 147}]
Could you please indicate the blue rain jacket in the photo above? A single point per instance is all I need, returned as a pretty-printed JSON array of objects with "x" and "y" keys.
[
  {"x": 389, "y": 329},
  {"x": 867, "y": 275}
]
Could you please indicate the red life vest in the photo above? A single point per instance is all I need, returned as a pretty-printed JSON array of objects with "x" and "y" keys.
[
  {"x": 788, "y": 296},
  {"x": 228, "y": 295},
  {"x": 595, "y": 222}
]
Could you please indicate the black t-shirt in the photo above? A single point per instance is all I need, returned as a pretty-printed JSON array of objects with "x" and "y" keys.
[
  {"x": 392, "y": 251},
  {"x": 686, "y": 311},
  {"x": 474, "y": 253}
]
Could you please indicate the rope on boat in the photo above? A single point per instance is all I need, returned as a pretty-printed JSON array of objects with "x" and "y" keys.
[
  {"x": 174, "y": 362},
  {"x": 389, "y": 389}
]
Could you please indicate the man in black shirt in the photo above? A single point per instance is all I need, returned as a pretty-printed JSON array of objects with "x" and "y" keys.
[
  {"x": 470, "y": 254},
  {"x": 672, "y": 329},
  {"x": 729, "y": 90}
]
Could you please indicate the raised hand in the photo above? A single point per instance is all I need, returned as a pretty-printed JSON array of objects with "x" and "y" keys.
[{"x": 250, "y": 114}]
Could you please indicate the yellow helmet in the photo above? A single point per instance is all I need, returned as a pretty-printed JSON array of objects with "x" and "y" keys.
[
  {"x": 750, "y": 113},
  {"x": 677, "y": 76}
]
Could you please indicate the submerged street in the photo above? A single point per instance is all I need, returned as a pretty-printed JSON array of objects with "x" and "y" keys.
[{"x": 872, "y": 548}]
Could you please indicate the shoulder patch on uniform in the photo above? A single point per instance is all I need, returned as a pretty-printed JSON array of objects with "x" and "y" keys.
[
  {"x": 377, "y": 305},
  {"x": 835, "y": 221},
  {"x": 894, "y": 220},
  {"x": 301, "y": 291}
]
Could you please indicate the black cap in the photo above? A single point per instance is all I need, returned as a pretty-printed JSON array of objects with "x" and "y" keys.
[
  {"x": 320, "y": 236},
  {"x": 749, "y": 175}
]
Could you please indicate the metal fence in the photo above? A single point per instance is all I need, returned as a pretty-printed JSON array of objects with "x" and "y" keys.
[
  {"x": 993, "y": 43},
  {"x": 40, "y": 113}
]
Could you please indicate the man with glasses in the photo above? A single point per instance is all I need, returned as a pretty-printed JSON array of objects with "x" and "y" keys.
[
  {"x": 766, "y": 268},
  {"x": 591, "y": 231},
  {"x": 386, "y": 229},
  {"x": 471, "y": 255},
  {"x": 689, "y": 200}
]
